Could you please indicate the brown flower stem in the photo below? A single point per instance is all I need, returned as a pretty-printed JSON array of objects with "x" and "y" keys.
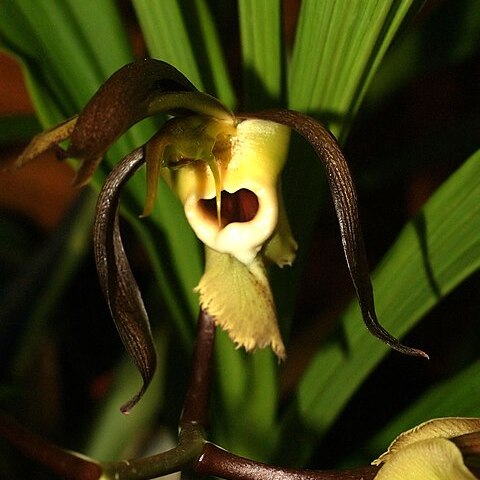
[
  {"x": 218, "y": 462},
  {"x": 195, "y": 410},
  {"x": 65, "y": 464}
]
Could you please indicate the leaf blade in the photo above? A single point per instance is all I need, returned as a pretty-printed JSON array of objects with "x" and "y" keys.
[
  {"x": 167, "y": 36},
  {"x": 261, "y": 40},
  {"x": 351, "y": 39}
]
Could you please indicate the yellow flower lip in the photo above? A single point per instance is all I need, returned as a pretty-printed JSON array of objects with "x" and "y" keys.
[
  {"x": 242, "y": 239},
  {"x": 248, "y": 174}
]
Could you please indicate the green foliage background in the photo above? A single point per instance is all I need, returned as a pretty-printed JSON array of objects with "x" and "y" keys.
[{"x": 348, "y": 60}]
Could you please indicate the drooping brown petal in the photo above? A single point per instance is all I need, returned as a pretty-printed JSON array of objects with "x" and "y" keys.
[
  {"x": 116, "y": 278},
  {"x": 134, "y": 92},
  {"x": 345, "y": 201}
]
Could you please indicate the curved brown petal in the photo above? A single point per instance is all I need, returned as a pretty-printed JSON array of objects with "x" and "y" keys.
[
  {"x": 345, "y": 201},
  {"x": 116, "y": 278},
  {"x": 134, "y": 92}
]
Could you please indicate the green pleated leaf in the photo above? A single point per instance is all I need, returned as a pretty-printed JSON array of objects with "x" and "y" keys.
[
  {"x": 167, "y": 36},
  {"x": 248, "y": 384},
  {"x": 433, "y": 254},
  {"x": 349, "y": 38},
  {"x": 216, "y": 77},
  {"x": 61, "y": 40},
  {"x": 261, "y": 40}
]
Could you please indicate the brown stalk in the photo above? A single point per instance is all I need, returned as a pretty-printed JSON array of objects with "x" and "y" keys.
[
  {"x": 195, "y": 409},
  {"x": 215, "y": 461}
]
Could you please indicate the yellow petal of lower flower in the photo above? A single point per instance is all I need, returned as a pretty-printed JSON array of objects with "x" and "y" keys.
[
  {"x": 447, "y": 427},
  {"x": 432, "y": 459},
  {"x": 240, "y": 301}
]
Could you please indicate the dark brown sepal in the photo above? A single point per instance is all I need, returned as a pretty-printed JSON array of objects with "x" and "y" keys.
[
  {"x": 345, "y": 201},
  {"x": 134, "y": 92},
  {"x": 116, "y": 278}
]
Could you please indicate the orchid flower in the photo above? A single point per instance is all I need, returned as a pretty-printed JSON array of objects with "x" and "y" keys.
[
  {"x": 225, "y": 169},
  {"x": 438, "y": 449}
]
